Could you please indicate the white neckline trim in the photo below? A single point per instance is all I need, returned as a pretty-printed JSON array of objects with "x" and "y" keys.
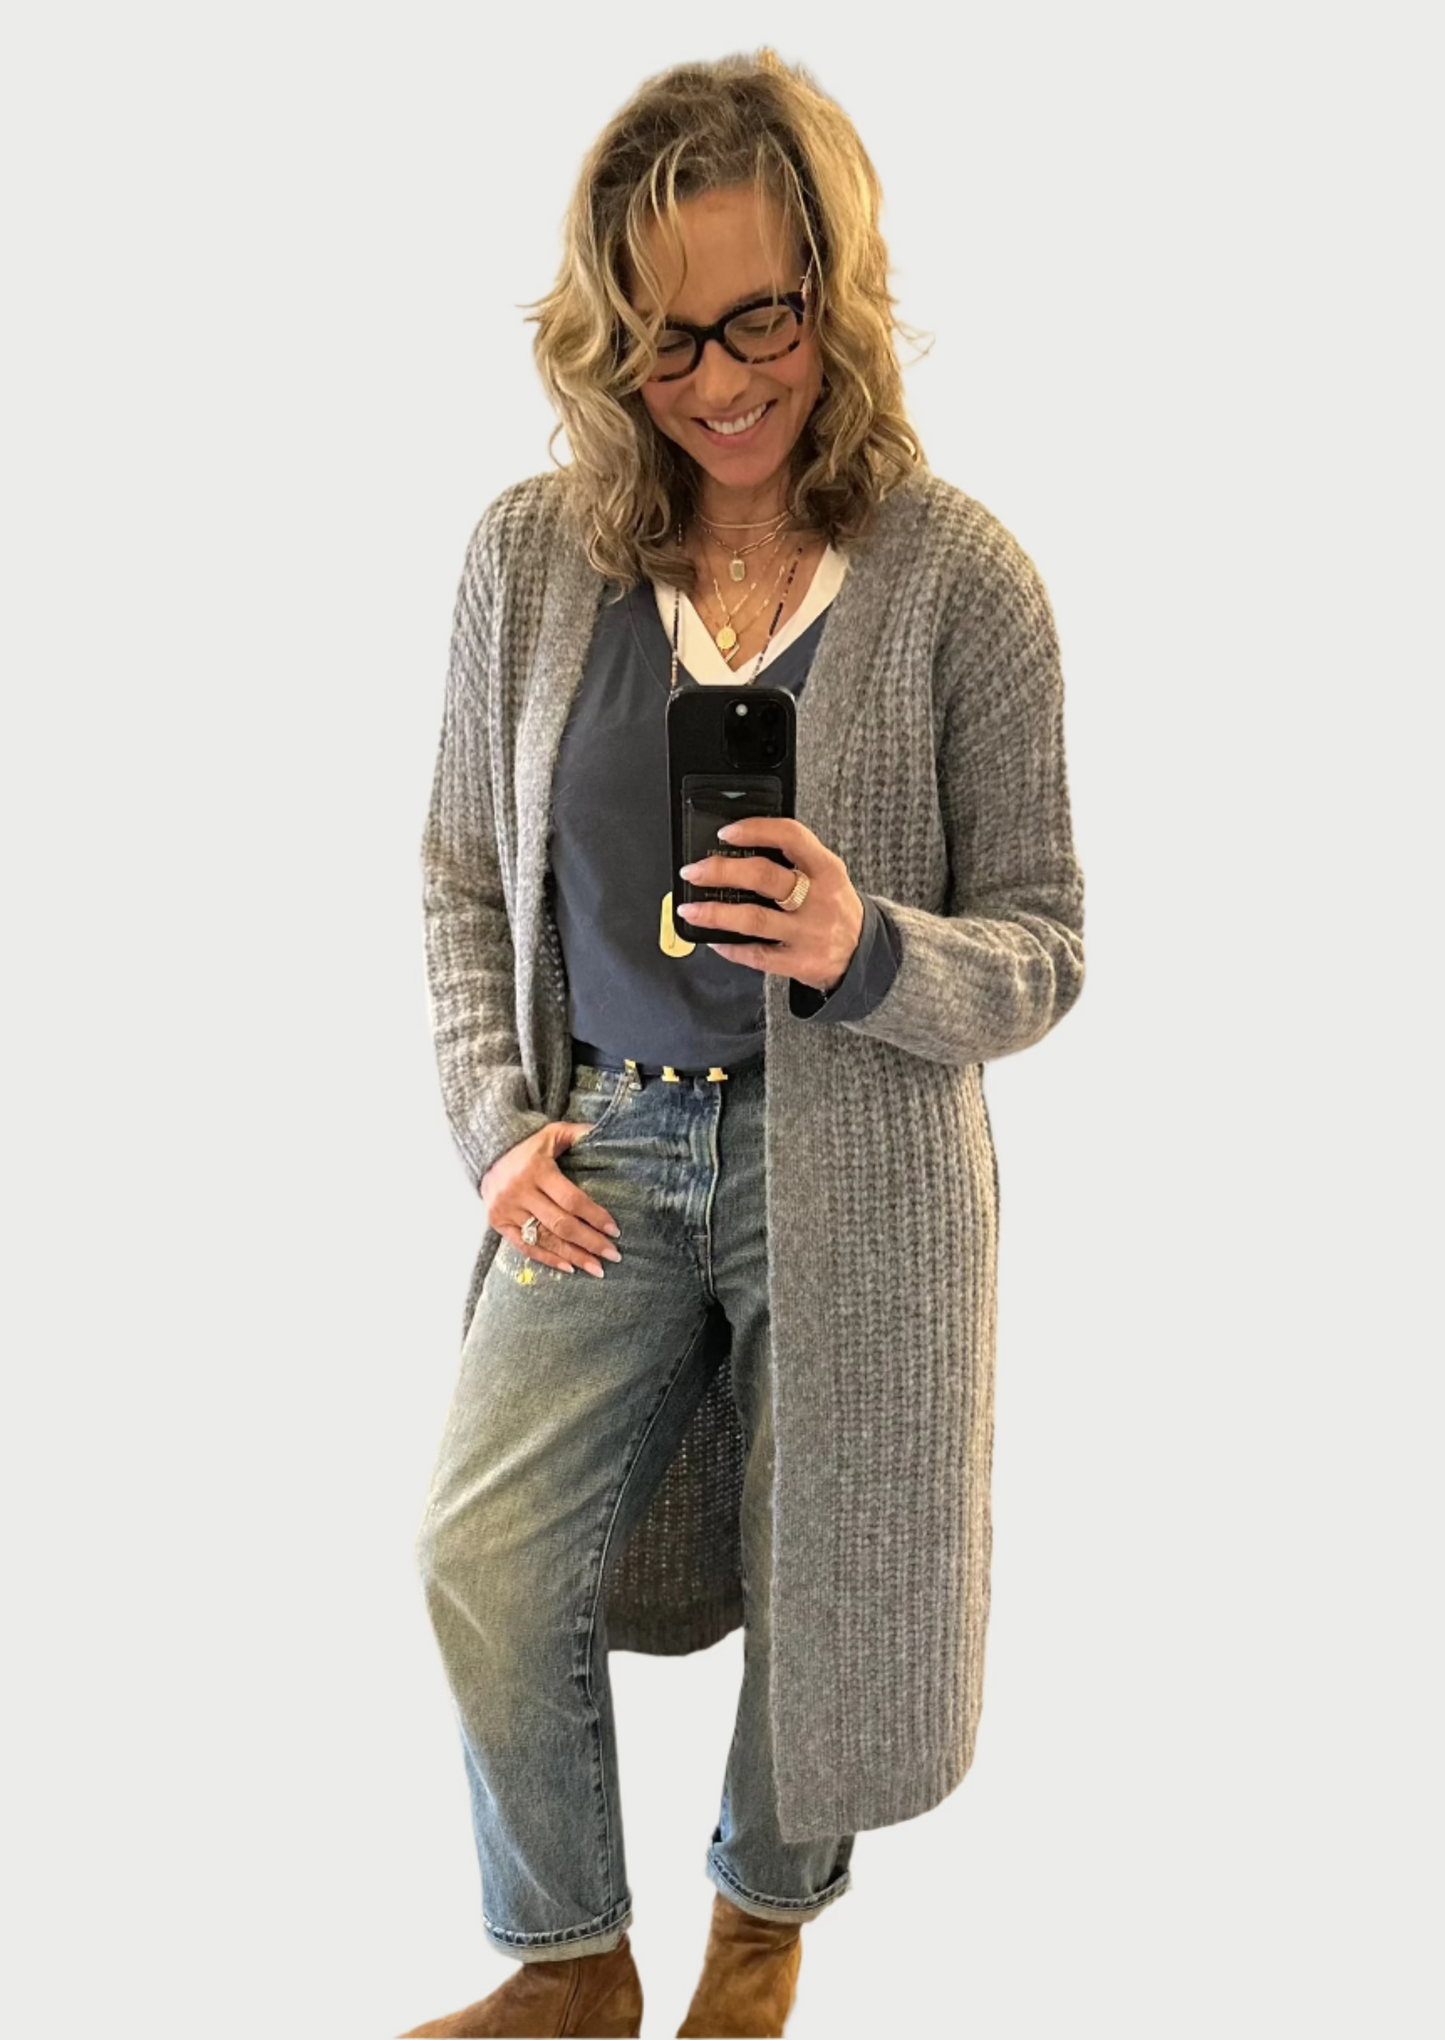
[{"x": 697, "y": 649}]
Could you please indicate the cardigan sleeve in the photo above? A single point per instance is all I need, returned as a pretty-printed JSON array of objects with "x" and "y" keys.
[
  {"x": 470, "y": 962},
  {"x": 1004, "y": 962}
]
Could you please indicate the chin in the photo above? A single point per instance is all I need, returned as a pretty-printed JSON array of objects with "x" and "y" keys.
[
  {"x": 746, "y": 469},
  {"x": 739, "y": 474}
]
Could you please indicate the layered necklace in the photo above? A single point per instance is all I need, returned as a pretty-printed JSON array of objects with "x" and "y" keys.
[
  {"x": 736, "y": 565},
  {"x": 735, "y": 621}
]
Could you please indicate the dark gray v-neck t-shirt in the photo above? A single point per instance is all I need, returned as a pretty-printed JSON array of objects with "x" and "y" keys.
[{"x": 610, "y": 855}]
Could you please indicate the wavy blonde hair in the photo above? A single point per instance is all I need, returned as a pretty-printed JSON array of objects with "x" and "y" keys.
[{"x": 699, "y": 128}]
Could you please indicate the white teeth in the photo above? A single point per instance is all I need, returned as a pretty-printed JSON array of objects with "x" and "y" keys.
[{"x": 738, "y": 424}]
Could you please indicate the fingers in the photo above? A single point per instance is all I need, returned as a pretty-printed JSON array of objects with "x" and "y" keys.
[
  {"x": 566, "y": 1239},
  {"x": 526, "y": 1182},
  {"x": 751, "y": 874},
  {"x": 556, "y": 1251},
  {"x": 706, "y": 914},
  {"x": 543, "y": 1255},
  {"x": 584, "y": 1219}
]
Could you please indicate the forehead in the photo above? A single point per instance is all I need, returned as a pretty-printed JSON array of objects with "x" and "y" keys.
[{"x": 734, "y": 244}]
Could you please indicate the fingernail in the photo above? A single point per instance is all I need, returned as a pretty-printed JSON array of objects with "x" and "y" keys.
[
  {"x": 615, "y": 1230},
  {"x": 686, "y": 870}
]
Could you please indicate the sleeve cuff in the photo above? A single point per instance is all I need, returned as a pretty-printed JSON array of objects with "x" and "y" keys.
[{"x": 867, "y": 980}]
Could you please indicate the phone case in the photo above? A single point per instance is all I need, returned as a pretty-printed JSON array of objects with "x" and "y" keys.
[{"x": 721, "y": 768}]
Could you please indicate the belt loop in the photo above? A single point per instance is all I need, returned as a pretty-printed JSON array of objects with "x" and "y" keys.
[{"x": 634, "y": 1074}]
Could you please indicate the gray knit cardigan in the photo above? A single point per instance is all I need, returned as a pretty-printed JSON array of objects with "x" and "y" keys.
[{"x": 931, "y": 759}]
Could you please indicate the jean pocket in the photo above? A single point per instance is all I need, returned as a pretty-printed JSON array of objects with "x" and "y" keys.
[{"x": 597, "y": 1100}]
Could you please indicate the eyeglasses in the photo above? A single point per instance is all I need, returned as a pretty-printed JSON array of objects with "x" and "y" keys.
[{"x": 762, "y": 331}]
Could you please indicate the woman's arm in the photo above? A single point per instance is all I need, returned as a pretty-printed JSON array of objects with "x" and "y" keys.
[
  {"x": 1004, "y": 962},
  {"x": 470, "y": 963}
]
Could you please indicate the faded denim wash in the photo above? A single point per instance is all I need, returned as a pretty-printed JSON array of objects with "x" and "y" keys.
[{"x": 572, "y": 1396}]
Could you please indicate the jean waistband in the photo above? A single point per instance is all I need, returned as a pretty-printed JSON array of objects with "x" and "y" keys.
[{"x": 589, "y": 1052}]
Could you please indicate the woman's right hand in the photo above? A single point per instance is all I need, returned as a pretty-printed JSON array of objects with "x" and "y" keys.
[{"x": 526, "y": 1183}]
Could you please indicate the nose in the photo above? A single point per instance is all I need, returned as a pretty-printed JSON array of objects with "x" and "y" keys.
[{"x": 718, "y": 379}]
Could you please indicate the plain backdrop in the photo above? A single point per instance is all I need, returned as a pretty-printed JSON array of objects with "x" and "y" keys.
[{"x": 266, "y": 364}]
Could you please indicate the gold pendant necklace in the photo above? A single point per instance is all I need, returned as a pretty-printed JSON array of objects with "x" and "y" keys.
[
  {"x": 737, "y": 565},
  {"x": 728, "y": 637}
]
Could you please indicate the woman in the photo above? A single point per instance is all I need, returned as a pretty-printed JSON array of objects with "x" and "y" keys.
[{"x": 777, "y": 1408}]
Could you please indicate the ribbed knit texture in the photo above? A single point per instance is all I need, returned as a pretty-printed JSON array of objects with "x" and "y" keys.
[{"x": 931, "y": 759}]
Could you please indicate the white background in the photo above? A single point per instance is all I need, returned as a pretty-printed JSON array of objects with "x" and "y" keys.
[{"x": 266, "y": 365}]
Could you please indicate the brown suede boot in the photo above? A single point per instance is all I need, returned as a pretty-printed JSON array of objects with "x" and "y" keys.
[
  {"x": 596, "y": 1996},
  {"x": 749, "y": 1975}
]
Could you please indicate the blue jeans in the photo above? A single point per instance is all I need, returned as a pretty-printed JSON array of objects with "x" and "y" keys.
[{"x": 572, "y": 1396}]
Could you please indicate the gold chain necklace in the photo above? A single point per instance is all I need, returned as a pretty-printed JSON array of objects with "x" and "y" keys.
[
  {"x": 736, "y": 565},
  {"x": 727, "y": 639},
  {"x": 772, "y": 627}
]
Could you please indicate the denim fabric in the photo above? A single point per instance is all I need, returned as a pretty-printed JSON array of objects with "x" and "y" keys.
[{"x": 572, "y": 1396}]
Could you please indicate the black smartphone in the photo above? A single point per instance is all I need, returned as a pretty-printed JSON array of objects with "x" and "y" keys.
[{"x": 730, "y": 753}]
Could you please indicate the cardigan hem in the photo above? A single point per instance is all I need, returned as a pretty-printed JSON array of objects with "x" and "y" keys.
[
  {"x": 846, "y": 1801},
  {"x": 699, "y": 1627}
]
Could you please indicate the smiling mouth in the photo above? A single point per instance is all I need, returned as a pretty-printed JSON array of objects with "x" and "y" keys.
[{"x": 737, "y": 428}]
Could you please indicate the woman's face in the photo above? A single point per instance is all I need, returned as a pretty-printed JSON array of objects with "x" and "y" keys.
[{"x": 732, "y": 258}]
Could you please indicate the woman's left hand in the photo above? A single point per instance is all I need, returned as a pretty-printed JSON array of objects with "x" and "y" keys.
[{"x": 816, "y": 943}]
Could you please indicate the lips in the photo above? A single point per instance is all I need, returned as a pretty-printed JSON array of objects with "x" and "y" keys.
[{"x": 738, "y": 438}]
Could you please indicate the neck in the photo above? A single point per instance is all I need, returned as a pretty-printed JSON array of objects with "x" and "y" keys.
[{"x": 731, "y": 509}]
